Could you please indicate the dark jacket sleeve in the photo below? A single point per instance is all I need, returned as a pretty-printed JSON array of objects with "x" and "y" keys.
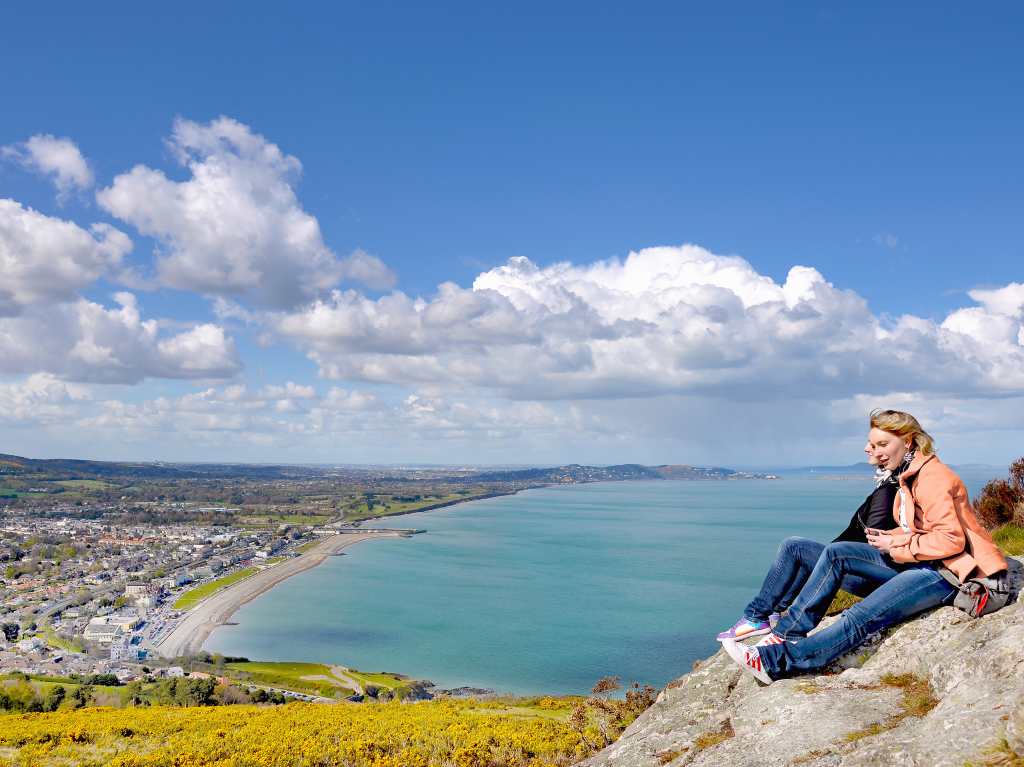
[{"x": 876, "y": 511}]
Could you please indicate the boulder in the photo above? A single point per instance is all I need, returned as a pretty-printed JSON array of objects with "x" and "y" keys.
[{"x": 941, "y": 689}]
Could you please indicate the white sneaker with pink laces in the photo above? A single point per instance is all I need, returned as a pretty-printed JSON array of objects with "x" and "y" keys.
[{"x": 748, "y": 658}]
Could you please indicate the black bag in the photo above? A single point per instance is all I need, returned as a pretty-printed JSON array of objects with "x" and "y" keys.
[{"x": 979, "y": 596}]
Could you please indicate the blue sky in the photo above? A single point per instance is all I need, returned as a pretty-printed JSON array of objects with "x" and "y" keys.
[{"x": 280, "y": 190}]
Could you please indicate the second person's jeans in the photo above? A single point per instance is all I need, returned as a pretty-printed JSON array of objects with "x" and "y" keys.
[{"x": 790, "y": 570}]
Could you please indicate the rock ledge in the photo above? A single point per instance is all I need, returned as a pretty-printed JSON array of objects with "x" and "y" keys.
[{"x": 856, "y": 713}]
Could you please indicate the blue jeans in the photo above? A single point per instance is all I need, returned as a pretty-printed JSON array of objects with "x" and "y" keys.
[
  {"x": 793, "y": 564},
  {"x": 901, "y": 591}
]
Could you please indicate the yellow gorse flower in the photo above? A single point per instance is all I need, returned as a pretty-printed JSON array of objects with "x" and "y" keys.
[{"x": 442, "y": 733}]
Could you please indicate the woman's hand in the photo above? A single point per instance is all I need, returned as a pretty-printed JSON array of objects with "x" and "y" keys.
[{"x": 880, "y": 540}]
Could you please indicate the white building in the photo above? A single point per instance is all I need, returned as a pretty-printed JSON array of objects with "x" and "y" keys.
[
  {"x": 122, "y": 649},
  {"x": 110, "y": 627},
  {"x": 173, "y": 580},
  {"x": 100, "y": 631},
  {"x": 28, "y": 644}
]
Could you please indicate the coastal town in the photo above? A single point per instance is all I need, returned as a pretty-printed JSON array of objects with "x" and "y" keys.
[
  {"x": 86, "y": 597},
  {"x": 121, "y": 571}
]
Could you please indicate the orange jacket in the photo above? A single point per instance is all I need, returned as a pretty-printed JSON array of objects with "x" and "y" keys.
[{"x": 943, "y": 526}]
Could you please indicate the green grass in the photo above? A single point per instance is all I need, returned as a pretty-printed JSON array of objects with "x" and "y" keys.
[
  {"x": 841, "y": 602},
  {"x": 308, "y": 546},
  {"x": 380, "y": 680},
  {"x": 90, "y": 484},
  {"x": 399, "y": 507},
  {"x": 1010, "y": 539},
  {"x": 287, "y": 675},
  {"x": 18, "y": 493},
  {"x": 189, "y": 599},
  {"x": 302, "y": 519},
  {"x": 285, "y": 670}
]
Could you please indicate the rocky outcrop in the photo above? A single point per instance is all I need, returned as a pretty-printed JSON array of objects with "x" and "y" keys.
[{"x": 941, "y": 689}]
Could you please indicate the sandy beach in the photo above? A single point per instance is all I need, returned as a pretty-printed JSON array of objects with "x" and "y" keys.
[{"x": 188, "y": 636}]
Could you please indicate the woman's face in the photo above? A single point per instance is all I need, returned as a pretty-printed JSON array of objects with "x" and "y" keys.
[{"x": 886, "y": 449}]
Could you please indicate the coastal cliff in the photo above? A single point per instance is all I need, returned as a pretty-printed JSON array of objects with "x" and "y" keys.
[{"x": 940, "y": 689}]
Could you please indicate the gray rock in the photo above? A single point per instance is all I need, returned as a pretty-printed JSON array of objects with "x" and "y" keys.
[
  {"x": 849, "y": 716},
  {"x": 1015, "y": 727}
]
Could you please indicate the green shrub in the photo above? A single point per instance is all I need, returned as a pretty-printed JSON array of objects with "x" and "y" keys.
[{"x": 1002, "y": 501}]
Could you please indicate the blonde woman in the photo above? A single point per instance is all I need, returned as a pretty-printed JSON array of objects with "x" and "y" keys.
[{"x": 936, "y": 525}]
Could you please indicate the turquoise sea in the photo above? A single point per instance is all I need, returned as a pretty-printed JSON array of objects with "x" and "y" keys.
[{"x": 549, "y": 590}]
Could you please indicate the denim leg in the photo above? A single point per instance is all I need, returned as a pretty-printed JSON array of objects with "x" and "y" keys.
[
  {"x": 851, "y": 584},
  {"x": 837, "y": 562},
  {"x": 793, "y": 563},
  {"x": 907, "y": 593}
]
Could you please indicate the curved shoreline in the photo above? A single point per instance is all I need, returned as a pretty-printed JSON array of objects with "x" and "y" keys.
[{"x": 194, "y": 629}]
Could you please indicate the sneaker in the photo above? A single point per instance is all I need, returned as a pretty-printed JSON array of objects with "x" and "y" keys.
[
  {"x": 770, "y": 639},
  {"x": 774, "y": 618},
  {"x": 745, "y": 629},
  {"x": 748, "y": 658}
]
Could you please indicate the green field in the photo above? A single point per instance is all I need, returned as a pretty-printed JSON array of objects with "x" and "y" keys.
[
  {"x": 19, "y": 493},
  {"x": 381, "y": 506},
  {"x": 380, "y": 680},
  {"x": 285, "y": 670},
  {"x": 190, "y": 598},
  {"x": 302, "y": 519},
  {"x": 308, "y": 546},
  {"x": 88, "y": 484},
  {"x": 288, "y": 675}
]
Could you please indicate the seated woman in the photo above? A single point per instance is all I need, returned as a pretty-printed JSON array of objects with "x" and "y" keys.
[
  {"x": 936, "y": 524},
  {"x": 797, "y": 556}
]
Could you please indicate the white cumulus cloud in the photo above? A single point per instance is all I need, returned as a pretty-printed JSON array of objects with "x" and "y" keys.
[
  {"x": 46, "y": 327},
  {"x": 666, "y": 321},
  {"x": 57, "y": 158},
  {"x": 43, "y": 258},
  {"x": 1008, "y": 300},
  {"x": 236, "y": 227},
  {"x": 83, "y": 341}
]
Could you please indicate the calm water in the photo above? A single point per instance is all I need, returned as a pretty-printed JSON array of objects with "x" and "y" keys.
[{"x": 549, "y": 590}]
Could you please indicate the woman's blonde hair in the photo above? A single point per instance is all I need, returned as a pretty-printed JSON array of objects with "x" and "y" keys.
[{"x": 903, "y": 425}]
